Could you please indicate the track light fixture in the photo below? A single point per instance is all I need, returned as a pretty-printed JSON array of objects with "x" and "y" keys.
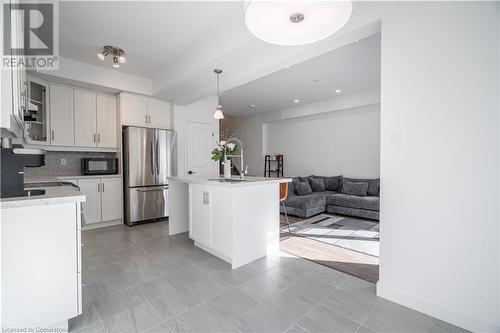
[{"x": 117, "y": 53}]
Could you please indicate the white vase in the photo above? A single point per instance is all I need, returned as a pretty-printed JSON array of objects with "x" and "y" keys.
[{"x": 227, "y": 168}]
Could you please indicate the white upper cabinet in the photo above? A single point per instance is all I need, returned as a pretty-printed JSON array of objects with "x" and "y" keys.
[
  {"x": 158, "y": 113},
  {"x": 95, "y": 119},
  {"x": 106, "y": 121},
  {"x": 134, "y": 110},
  {"x": 85, "y": 118},
  {"x": 143, "y": 111},
  {"x": 61, "y": 116}
]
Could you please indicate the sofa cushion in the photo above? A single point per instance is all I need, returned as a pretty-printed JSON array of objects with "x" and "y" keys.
[
  {"x": 303, "y": 188},
  {"x": 291, "y": 186},
  {"x": 317, "y": 184},
  {"x": 373, "y": 184},
  {"x": 359, "y": 189},
  {"x": 353, "y": 201},
  {"x": 333, "y": 183},
  {"x": 315, "y": 199}
]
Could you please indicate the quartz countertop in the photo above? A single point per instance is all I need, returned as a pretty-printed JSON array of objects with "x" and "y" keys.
[
  {"x": 53, "y": 195},
  {"x": 231, "y": 182},
  {"x": 41, "y": 179}
]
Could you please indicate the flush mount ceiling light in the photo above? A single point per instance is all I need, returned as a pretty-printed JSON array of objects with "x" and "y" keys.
[
  {"x": 117, "y": 53},
  {"x": 296, "y": 22},
  {"x": 218, "y": 111},
  {"x": 338, "y": 91}
]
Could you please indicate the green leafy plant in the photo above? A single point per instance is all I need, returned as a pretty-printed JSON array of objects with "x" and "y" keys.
[{"x": 223, "y": 148}]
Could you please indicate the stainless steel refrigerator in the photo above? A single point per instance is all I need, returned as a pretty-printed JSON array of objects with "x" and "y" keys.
[{"x": 149, "y": 158}]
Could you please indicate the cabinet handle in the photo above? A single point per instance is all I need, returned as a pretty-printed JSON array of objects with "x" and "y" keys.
[
  {"x": 206, "y": 199},
  {"x": 99, "y": 138},
  {"x": 149, "y": 119},
  {"x": 146, "y": 119},
  {"x": 94, "y": 137},
  {"x": 98, "y": 187},
  {"x": 52, "y": 132},
  {"x": 102, "y": 186}
]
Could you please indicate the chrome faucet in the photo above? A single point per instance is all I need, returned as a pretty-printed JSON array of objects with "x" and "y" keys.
[{"x": 244, "y": 169}]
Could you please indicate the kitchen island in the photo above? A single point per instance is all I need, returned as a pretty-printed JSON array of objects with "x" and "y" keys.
[
  {"x": 236, "y": 220},
  {"x": 41, "y": 260}
]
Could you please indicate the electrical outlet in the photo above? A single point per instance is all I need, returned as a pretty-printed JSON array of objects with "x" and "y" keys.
[{"x": 63, "y": 161}]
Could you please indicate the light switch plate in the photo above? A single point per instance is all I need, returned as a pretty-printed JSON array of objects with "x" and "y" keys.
[{"x": 63, "y": 161}]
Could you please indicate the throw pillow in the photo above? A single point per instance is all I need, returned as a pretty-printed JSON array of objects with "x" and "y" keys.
[
  {"x": 317, "y": 184},
  {"x": 303, "y": 188},
  {"x": 352, "y": 188},
  {"x": 333, "y": 183},
  {"x": 373, "y": 185}
]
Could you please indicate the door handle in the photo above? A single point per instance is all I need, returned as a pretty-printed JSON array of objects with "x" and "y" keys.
[
  {"x": 191, "y": 172},
  {"x": 152, "y": 159}
]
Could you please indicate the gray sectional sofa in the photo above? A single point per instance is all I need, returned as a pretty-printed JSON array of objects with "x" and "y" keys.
[{"x": 308, "y": 196}]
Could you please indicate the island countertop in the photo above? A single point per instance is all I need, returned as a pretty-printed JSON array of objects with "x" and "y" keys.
[
  {"x": 230, "y": 182},
  {"x": 53, "y": 195}
]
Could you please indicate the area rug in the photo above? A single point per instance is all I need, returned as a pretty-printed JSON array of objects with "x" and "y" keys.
[{"x": 354, "y": 234}]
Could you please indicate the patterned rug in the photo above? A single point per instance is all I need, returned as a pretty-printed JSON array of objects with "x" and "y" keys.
[{"x": 355, "y": 234}]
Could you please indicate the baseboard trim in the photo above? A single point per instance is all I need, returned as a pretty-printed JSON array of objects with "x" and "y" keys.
[
  {"x": 101, "y": 224},
  {"x": 443, "y": 312}
]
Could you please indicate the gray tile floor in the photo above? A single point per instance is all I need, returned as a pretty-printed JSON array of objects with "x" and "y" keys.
[{"x": 141, "y": 280}]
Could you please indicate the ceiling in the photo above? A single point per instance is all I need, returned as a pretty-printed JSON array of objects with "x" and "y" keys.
[
  {"x": 155, "y": 35},
  {"x": 353, "y": 68},
  {"x": 177, "y": 44}
]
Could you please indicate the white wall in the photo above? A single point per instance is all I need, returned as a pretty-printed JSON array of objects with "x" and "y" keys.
[
  {"x": 439, "y": 161},
  {"x": 251, "y": 129},
  {"x": 336, "y": 143},
  {"x": 200, "y": 111}
]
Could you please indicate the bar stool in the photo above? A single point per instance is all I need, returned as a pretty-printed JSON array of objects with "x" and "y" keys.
[{"x": 283, "y": 196}]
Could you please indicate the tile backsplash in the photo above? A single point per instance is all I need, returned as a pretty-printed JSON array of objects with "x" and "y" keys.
[{"x": 53, "y": 165}]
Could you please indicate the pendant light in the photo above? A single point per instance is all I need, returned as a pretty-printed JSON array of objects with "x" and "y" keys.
[
  {"x": 218, "y": 111},
  {"x": 296, "y": 22}
]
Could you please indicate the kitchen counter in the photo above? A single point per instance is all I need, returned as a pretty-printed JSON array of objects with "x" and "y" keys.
[
  {"x": 41, "y": 179},
  {"x": 53, "y": 195},
  {"x": 231, "y": 182},
  {"x": 235, "y": 220}
]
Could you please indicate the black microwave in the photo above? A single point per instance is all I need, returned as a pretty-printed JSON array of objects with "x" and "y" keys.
[{"x": 99, "y": 166}]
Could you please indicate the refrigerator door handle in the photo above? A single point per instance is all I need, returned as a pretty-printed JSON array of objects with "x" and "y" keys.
[
  {"x": 152, "y": 159},
  {"x": 157, "y": 156}
]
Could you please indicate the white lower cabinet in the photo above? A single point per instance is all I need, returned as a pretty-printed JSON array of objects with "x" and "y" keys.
[
  {"x": 200, "y": 219},
  {"x": 41, "y": 279},
  {"x": 104, "y": 199},
  {"x": 111, "y": 203}
]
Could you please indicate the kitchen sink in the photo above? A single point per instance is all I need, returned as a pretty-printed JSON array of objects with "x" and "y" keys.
[{"x": 228, "y": 180}]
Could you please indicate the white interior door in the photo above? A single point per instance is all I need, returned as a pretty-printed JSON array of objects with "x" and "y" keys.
[{"x": 200, "y": 141}]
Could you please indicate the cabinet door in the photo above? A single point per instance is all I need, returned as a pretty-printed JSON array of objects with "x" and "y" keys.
[
  {"x": 200, "y": 217},
  {"x": 159, "y": 113},
  {"x": 91, "y": 188},
  {"x": 111, "y": 193},
  {"x": 85, "y": 118},
  {"x": 61, "y": 116},
  {"x": 133, "y": 110},
  {"x": 106, "y": 121}
]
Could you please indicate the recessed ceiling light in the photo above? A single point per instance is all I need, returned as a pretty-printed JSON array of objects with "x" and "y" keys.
[
  {"x": 316, "y": 81},
  {"x": 252, "y": 106},
  {"x": 295, "y": 100},
  {"x": 338, "y": 91}
]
